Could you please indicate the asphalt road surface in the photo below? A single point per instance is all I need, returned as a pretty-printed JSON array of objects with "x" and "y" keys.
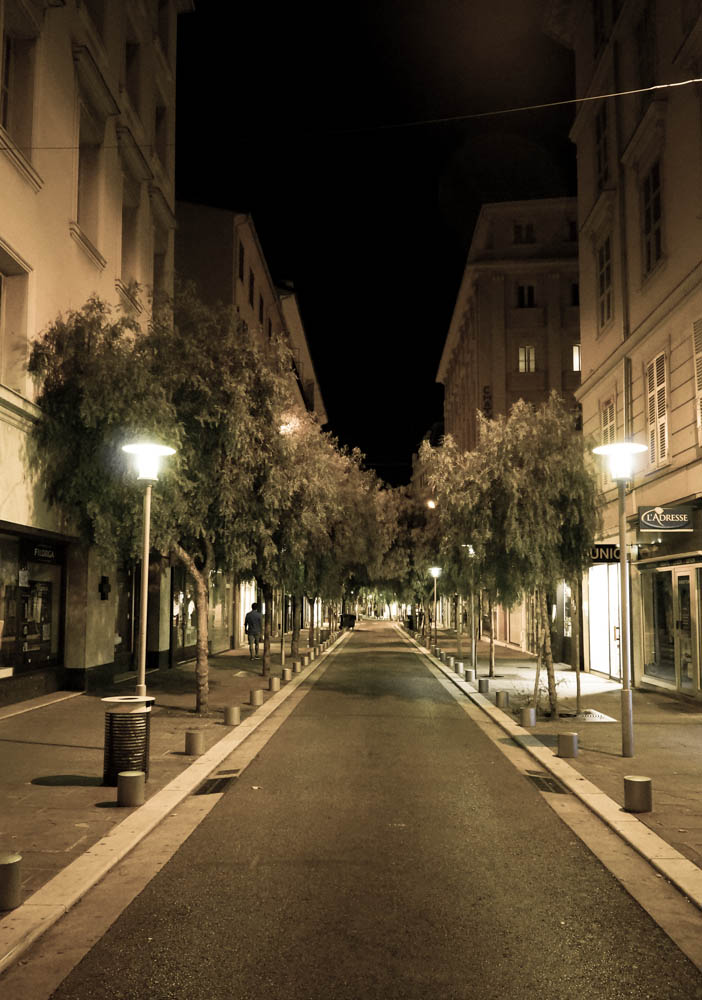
[{"x": 381, "y": 846}]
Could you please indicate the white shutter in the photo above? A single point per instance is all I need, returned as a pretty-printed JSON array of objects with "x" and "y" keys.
[
  {"x": 697, "y": 353},
  {"x": 607, "y": 415},
  {"x": 657, "y": 411}
]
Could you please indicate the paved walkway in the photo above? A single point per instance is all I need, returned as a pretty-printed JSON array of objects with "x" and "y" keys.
[{"x": 55, "y": 812}]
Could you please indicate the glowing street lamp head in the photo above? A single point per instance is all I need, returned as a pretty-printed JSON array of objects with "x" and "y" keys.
[
  {"x": 431, "y": 504},
  {"x": 147, "y": 456},
  {"x": 435, "y": 571},
  {"x": 620, "y": 456}
]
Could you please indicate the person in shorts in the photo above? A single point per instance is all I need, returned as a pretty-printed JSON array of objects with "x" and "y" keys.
[{"x": 253, "y": 625}]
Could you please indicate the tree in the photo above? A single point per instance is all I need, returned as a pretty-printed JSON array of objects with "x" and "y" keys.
[{"x": 195, "y": 377}]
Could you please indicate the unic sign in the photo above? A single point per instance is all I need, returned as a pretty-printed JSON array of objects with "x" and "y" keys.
[{"x": 665, "y": 519}]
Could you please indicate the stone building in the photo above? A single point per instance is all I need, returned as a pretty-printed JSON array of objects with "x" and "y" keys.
[
  {"x": 87, "y": 121},
  {"x": 640, "y": 231}
]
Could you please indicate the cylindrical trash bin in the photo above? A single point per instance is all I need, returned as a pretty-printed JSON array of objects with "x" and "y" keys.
[
  {"x": 10, "y": 880},
  {"x": 127, "y": 735}
]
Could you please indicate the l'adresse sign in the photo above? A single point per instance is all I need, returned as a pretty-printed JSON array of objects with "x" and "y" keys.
[{"x": 665, "y": 519}]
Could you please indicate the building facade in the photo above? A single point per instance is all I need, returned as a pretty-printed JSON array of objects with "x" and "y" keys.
[
  {"x": 87, "y": 120},
  {"x": 515, "y": 334},
  {"x": 640, "y": 221},
  {"x": 221, "y": 252}
]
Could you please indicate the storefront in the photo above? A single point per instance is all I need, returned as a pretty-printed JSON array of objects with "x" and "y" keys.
[
  {"x": 601, "y": 611},
  {"x": 32, "y": 603},
  {"x": 670, "y": 616}
]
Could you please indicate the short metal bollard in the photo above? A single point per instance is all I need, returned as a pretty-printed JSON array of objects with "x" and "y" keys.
[
  {"x": 459, "y": 668},
  {"x": 638, "y": 793},
  {"x": 232, "y": 715},
  {"x": 527, "y": 718},
  {"x": 194, "y": 743},
  {"x": 502, "y": 699},
  {"x": 297, "y": 666},
  {"x": 305, "y": 660},
  {"x": 567, "y": 744},
  {"x": 287, "y": 674},
  {"x": 130, "y": 788},
  {"x": 470, "y": 674},
  {"x": 450, "y": 662},
  {"x": 274, "y": 683},
  {"x": 483, "y": 685},
  {"x": 257, "y": 697},
  {"x": 317, "y": 651},
  {"x": 10, "y": 880}
]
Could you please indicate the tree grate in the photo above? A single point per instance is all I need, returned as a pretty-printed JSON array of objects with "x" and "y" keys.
[{"x": 546, "y": 782}]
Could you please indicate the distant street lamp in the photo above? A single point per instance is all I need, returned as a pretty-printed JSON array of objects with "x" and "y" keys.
[
  {"x": 473, "y": 647},
  {"x": 620, "y": 456},
  {"x": 147, "y": 456},
  {"x": 431, "y": 504},
  {"x": 436, "y": 573}
]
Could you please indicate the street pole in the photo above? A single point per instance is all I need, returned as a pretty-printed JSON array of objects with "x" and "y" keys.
[
  {"x": 435, "y": 636},
  {"x": 473, "y": 647},
  {"x": 625, "y": 632},
  {"x": 141, "y": 667}
]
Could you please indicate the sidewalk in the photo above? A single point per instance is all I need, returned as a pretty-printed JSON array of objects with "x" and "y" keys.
[
  {"x": 54, "y": 810},
  {"x": 667, "y": 742}
]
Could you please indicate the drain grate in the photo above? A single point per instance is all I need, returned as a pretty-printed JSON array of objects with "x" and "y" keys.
[
  {"x": 214, "y": 785},
  {"x": 546, "y": 782},
  {"x": 592, "y": 715}
]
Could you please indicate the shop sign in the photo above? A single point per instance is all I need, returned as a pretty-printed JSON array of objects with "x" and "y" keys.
[
  {"x": 39, "y": 552},
  {"x": 659, "y": 519},
  {"x": 604, "y": 554}
]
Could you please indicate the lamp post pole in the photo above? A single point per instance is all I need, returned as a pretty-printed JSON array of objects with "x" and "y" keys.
[
  {"x": 147, "y": 456},
  {"x": 620, "y": 461},
  {"x": 435, "y": 632}
]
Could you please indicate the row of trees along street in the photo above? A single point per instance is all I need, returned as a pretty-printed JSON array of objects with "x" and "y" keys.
[
  {"x": 255, "y": 488},
  {"x": 513, "y": 517}
]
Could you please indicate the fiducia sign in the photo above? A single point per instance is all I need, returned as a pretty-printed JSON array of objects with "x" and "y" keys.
[{"x": 659, "y": 519}]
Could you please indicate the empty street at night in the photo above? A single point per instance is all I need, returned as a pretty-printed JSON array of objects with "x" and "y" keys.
[{"x": 383, "y": 842}]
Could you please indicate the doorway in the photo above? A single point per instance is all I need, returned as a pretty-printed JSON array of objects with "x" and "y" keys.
[
  {"x": 603, "y": 619},
  {"x": 670, "y": 619}
]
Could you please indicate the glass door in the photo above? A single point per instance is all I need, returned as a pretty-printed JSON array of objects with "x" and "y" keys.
[
  {"x": 670, "y": 626},
  {"x": 685, "y": 629}
]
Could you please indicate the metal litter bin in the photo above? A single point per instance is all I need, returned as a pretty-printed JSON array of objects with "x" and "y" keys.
[{"x": 127, "y": 734}]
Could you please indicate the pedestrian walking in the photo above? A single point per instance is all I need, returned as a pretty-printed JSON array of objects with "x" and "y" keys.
[{"x": 253, "y": 624}]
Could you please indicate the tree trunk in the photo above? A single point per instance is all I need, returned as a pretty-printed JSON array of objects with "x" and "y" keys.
[
  {"x": 295, "y": 612},
  {"x": 267, "y": 629},
  {"x": 202, "y": 667},
  {"x": 539, "y": 648},
  {"x": 459, "y": 629},
  {"x": 548, "y": 658}
]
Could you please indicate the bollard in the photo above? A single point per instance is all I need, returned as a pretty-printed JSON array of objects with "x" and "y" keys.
[
  {"x": 305, "y": 660},
  {"x": 287, "y": 674},
  {"x": 194, "y": 743},
  {"x": 527, "y": 717},
  {"x": 470, "y": 674},
  {"x": 297, "y": 666},
  {"x": 232, "y": 715},
  {"x": 459, "y": 669},
  {"x": 442, "y": 655},
  {"x": 567, "y": 744},
  {"x": 274, "y": 683},
  {"x": 316, "y": 651},
  {"x": 638, "y": 793},
  {"x": 502, "y": 699},
  {"x": 450, "y": 662},
  {"x": 483, "y": 685},
  {"x": 130, "y": 788},
  {"x": 10, "y": 880},
  {"x": 257, "y": 697}
]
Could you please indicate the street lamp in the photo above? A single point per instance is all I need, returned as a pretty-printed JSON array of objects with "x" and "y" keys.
[
  {"x": 620, "y": 455},
  {"x": 147, "y": 456},
  {"x": 473, "y": 648},
  {"x": 436, "y": 573}
]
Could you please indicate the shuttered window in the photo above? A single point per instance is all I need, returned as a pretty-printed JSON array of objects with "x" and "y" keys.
[
  {"x": 657, "y": 411},
  {"x": 608, "y": 427},
  {"x": 697, "y": 349}
]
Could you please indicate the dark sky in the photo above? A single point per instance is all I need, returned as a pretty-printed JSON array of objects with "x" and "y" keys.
[{"x": 283, "y": 111}]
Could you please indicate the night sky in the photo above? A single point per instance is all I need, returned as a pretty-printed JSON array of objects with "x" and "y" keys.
[{"x": 289, "y": 111}]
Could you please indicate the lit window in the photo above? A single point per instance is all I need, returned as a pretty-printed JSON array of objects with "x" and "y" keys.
[
  {"x": 13, "y": 322},
  {"x": 527, "y": 358},
  {"x": 576, "y": 358}
]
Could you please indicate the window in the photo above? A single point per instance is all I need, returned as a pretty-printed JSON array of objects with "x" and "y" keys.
[
  {"x": 89, "y": 159},
  {"x": 161, "y": 134},
  {"x": 601, "y": 147},
  {"x": 651, "y": 201},
  {"x": 572, "y": 231},
  {"x": 646, "y": 53},
  {"x": 130, "y": 231},
  {"x": 242, "y": 257},
  {"x": 260, "y": 308},
  {"x": 270, "y": 330},
  {"x": 607, "y": 432},
  {"x": 574, "y": 293},
  {"x": 17, "y": 80},
  {"x": 132, "y": 73},
  {"x": 527, "y": 358},
  {"x": 657, "y": 411},
  {"x": 576, "y": 358},
  {"x": 251, "y": 287},
  {"x": 604, "y": 283},
  {"x": 523, "y": 232},
  {"x": 13, "y": 322},
  {"x": 525, "y": 297},
  {"x": 697, "y": 349}
]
